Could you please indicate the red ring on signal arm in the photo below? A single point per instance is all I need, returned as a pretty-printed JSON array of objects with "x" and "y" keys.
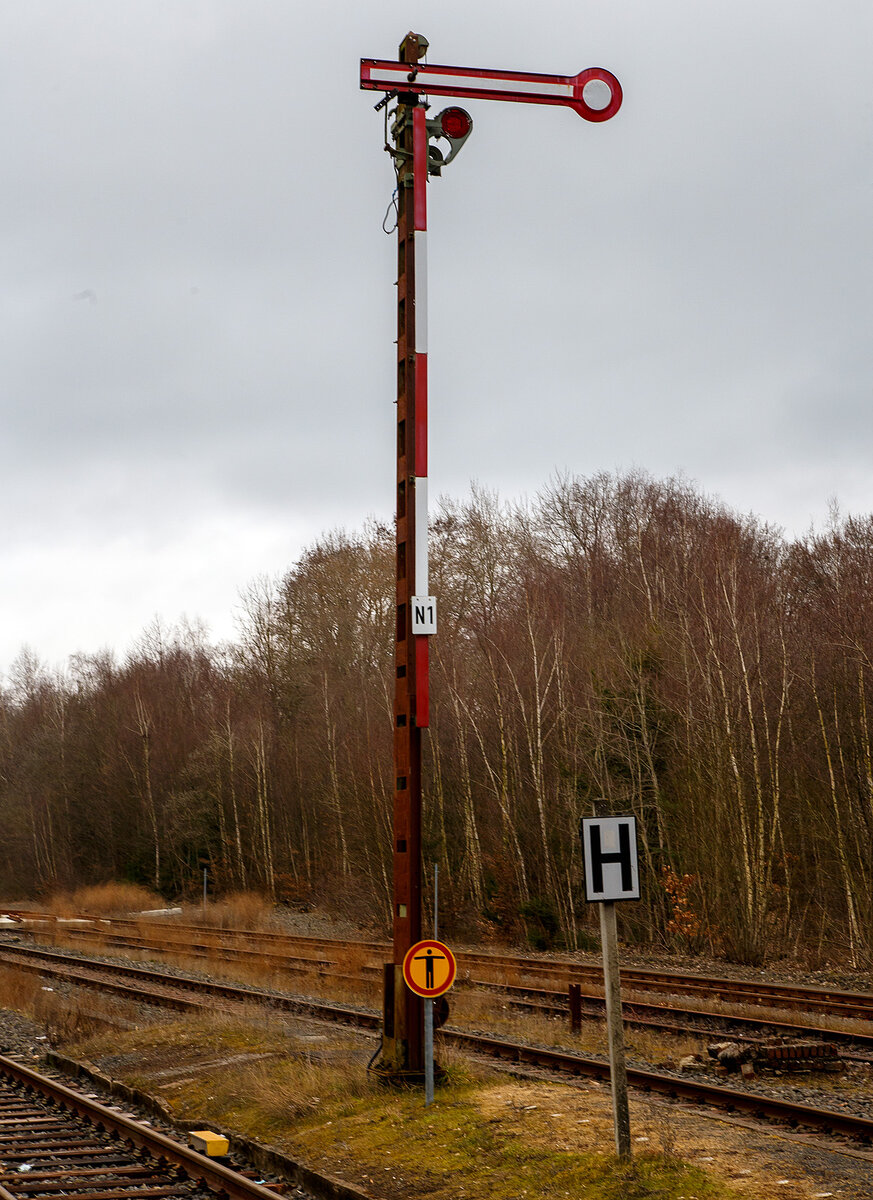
[{"x": 607, "y": 77}]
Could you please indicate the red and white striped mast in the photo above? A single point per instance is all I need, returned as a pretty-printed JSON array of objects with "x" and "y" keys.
[
  {"x": 596, "y": 95},
  {"x": 403, "y": 1012}
]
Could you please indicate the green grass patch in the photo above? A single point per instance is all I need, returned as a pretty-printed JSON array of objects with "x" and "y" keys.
[
  {"x": 486, "y": 1136},
  {"x": 455, "y": 1149}
]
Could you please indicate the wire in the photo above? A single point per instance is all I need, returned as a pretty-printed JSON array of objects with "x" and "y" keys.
[
  {"x": 392, "y": 203},
  {"x": 394, "y": 152},
  {"x": 378, "y": 1051}
]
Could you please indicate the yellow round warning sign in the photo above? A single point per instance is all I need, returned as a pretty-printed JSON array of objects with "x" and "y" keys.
[{"x": 429, "y": 969}]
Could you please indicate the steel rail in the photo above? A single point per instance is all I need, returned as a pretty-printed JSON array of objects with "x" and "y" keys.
[
  {"x": 557, "y": 1003},
  {"x": 826, "y": 1001},
  {"x": 565, "y": 1062},
  {"x": 751, "y": 990},
  {"x": 757, "y": 1104},
  {"x": 635, "y": 1021},
  {"x": 216, "y": 1176},
  {"x": 167, "y": 987},
  {"x": 841, "y": 1002},
  {"x": 203, "y": 949},
  {"x": 102, "y": 927},
  {"x": 647, "y": 978}
]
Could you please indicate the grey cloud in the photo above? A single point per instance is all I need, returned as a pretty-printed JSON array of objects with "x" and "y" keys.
[{"x": 196, "y": 308}]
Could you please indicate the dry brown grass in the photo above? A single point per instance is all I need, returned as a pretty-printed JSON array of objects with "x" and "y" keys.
[
  {"x": 300, "y": 1088},
  {"x": 105, "y": 900},
  {"x": 475, "y": 1010},
  {"x": 69, "y": 1018},
  {"x": 18, "y": 990},
  {"x": 65, "y": 1017},
  {"x": 238, "y": 910}
]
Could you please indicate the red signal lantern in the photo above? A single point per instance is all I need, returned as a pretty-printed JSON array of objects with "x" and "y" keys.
[
  {"x": 455, "y": 126},
  {"x": 455, "y": 123}
]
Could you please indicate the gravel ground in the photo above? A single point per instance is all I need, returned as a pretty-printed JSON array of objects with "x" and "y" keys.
[
  {"x": 319, "y": 924},
  {"x": 21, "y": 1036}
]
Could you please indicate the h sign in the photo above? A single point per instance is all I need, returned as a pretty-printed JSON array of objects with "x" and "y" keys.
[{"x": 609, "y": 847}]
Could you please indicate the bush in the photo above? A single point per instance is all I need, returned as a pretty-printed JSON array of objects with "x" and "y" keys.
[
  {"x": 237, "y": 910},
  {"x": 540, "y": 922},
  {"x": 105, "y": 900}
]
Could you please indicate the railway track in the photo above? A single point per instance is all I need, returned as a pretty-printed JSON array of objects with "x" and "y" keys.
[
  {"x": 145, "y": 985},
  {"x": 153, "y": 987},
  {"x": 306, "y": 954},
  {"x": 55, "y": 1140},
  {"x": 857, "y": 1046},
  {"x": 822, "y": 1001},
  {"x": 689, "y": 1022},
  {"x": 664, "y": 1017}
]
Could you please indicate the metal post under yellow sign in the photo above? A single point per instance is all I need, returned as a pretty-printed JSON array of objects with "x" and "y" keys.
[{"x": 429, "y": 969}]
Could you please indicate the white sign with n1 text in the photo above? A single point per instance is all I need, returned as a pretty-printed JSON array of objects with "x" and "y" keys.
[
  {"x": 609, "y": 848},
  {"x": 423, "y": 615}
]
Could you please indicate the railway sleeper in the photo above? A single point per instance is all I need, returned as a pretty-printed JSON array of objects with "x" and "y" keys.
[{"x": 774, "y": 1054}]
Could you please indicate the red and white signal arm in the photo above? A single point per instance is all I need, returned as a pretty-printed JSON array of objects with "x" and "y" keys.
[
  {"x": 594, "y": 93},
  {"x": 429, "y": 969}
]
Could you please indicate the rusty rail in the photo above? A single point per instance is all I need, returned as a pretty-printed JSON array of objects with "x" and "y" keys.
[
  {"x": 823, "y": 1000},
  {"x": 39, "y": 1139}
]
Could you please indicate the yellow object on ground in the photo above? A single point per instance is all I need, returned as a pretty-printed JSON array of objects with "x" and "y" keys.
[{"x": 211, "y": 1144}]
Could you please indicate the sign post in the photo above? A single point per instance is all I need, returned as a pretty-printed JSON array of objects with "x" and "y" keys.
[
  {"x": 609, "y": 846},
  {"x": 595, "y": 94},
  {"x": 428, "y": 1052},
  {"x": 429, "y": 969}
]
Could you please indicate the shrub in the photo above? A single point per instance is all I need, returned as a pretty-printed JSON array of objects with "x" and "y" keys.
[
  {"x": 540, "y": 922},
  {"x": 105, "y": 899}
]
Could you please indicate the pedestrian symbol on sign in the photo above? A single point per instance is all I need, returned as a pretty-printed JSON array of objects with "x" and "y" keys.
[{"x": 428, "y": 958}]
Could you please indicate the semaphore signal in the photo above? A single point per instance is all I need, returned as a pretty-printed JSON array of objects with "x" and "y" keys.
[{"x": 594, "y": 94}]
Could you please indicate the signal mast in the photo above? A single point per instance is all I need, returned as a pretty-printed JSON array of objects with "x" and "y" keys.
[{"x": 596, "y": 95}]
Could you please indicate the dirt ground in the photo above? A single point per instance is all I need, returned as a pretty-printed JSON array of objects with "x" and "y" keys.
[
  {"x": 371, "y": 1145},
  {"x": 758, "y": 1161}
]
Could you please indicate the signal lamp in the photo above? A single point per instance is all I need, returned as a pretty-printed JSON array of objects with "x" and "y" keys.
[
  {"x": 455, "y": 123},
  {"x": 452, "y": 124}
]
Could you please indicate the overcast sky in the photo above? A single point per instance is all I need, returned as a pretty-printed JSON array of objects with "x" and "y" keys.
[{"x": 197, "y": 295}]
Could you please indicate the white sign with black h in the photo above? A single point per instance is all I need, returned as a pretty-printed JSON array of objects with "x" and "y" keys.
[{"x": 609, "y": 846}]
